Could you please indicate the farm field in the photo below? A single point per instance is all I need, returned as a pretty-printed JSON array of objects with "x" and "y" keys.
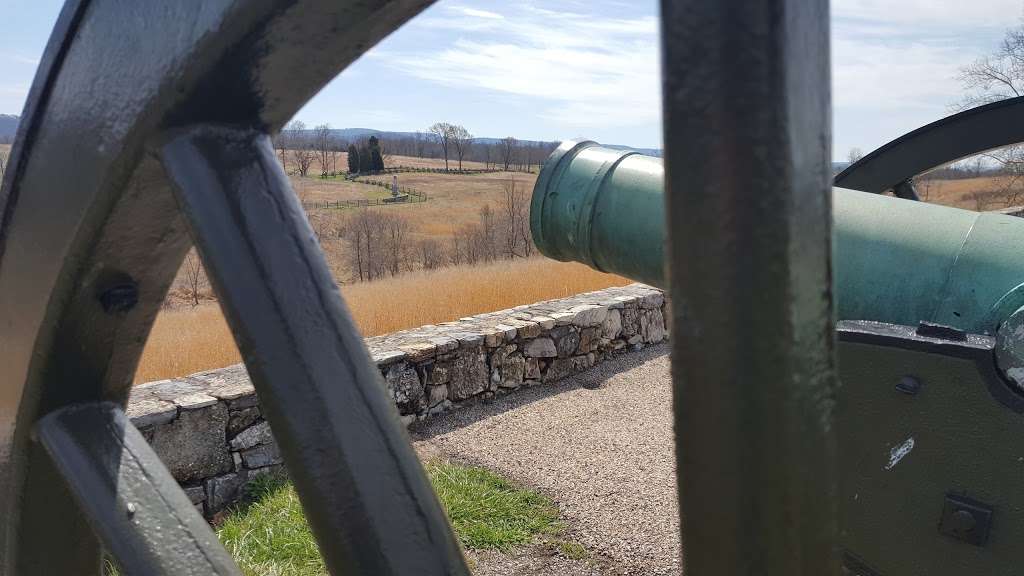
[
  {"x": 983, "y": 193},
  {"x": 187, "y": 339},
  {"x": 454, "y": 199}
]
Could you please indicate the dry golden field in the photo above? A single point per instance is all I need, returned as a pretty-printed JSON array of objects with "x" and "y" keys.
[
  {"x": 454, "y": 200},
  {"x": 984, "y": 193},
  {"x": 185, "y": 340}
]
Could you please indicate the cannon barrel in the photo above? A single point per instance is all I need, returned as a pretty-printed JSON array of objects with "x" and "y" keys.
[{"x": 894, "y": 260}]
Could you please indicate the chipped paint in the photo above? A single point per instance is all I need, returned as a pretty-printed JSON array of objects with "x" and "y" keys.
[{"x": 897, "y": 453}]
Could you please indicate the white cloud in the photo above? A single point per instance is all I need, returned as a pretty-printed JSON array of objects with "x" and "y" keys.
[
  {"x": 481, "y": 13},
  {"x": 916, "y": 14},
  {"x": 585, "y": 70},
  {"x": 892, "y": 76},
  {"x": 20, "y": 59}
]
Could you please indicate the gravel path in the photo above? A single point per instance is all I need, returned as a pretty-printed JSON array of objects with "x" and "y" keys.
[{"x": 600, "y": 445}]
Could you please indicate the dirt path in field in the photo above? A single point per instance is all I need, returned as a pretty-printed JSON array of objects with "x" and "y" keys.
[{"x": 600, "y": 445}]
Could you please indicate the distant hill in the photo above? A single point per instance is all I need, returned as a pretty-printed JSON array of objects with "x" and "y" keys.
[
  {"x": 360, "y": 133},
  {"x": 8, "y": 127}
]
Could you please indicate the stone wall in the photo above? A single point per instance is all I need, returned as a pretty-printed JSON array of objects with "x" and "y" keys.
[{"x": 209, "y": 431}]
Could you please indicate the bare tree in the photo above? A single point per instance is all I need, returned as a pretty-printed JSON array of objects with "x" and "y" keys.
[
  {"x": 924, "y": 186},
  {"x": 515, "y": 218},
  {"x": 303, "y": 160},
  {"x": 428, "y": 252},
  {"x": 462, "y": 140},
  {"x": 195, "y": 277},
  {"x": 854, "y": 155},
  {"x": 442, "y": 133},
  {"x": 301, "y": 153},
  {"x": 488, "y": 241},
  {"x": 508, "y": 148},
  {"x": 991, "y": 78},
  {"x": 3, "y": 164},
  {"x": 322, "y": 145},
  {"x": 455, "y": 256},
  {"x": 395, "y": 230}
]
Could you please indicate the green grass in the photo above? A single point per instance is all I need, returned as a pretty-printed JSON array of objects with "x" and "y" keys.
[
  {"x": 488, "y": 511},
  {"x": 268, "y": 534}
]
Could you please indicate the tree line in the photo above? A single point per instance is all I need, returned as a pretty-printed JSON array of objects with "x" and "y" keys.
[
  {"x": 299, "y": 147},
  {"x": 369, "y": 243}
]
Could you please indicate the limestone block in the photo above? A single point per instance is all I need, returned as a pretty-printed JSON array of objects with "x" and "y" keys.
[
  {"x": 418, "y": 351},
  {"x": 262, "y": 455},
  {"x": 194, "y": 446},
  {"x": 568, "y": 343},
  {"x": 150, "y": 411},
  {"x": 540, "y": 348},
  {"x": 532, "y": 370},
  {"x": 224, "y": 490},
  {"x": 253, "y": 436},
  {"x": 512, "y": 371},
  {"x": 183, "y": 393},
  {"x": 239, "y": 420},
  {"x": 196, "y": 494},
  {"x": 630, "y": 321},
  {"x": 544, "y": 322},
  {"x": 589, "y": 315},
  {"x": 612, "y": 325},
  {"x": 404, "y": 383},
  {"x": 469, "y": 374},
  {"x": 437, "y": 394},
  {"x": 588, "y": 339},
  {"x": 654, "y": 328},
  {"x": 525, "y": 329},
  {"x": 228, "y": 383},
  {"x": 559, "y": 368}
]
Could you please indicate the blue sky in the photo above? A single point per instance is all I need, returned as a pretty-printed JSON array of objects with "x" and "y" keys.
[{"x": 556, "y": 69}]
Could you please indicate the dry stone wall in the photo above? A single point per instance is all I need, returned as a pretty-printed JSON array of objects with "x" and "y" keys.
[{"x": 209, "y": 430}]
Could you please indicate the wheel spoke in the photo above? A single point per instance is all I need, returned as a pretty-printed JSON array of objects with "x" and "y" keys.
[
  {"x": 129, "y": 497},
  {"x": 363, "y": 490}
]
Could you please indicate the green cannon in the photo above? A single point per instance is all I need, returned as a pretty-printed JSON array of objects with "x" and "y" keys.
[
  {"x": 896, "y": 260},
  {"x": 929, "y": 303}
]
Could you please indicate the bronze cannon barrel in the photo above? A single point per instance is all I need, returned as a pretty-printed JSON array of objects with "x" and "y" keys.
[{"x": 895, "y": 260}]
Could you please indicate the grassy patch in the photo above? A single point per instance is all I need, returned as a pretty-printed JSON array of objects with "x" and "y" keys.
[
  {"x": 268, "y": 534},
  {"x": 488, "y": 511},
  {"x": 571, "y": 550},
  {"x": 271, "y": 536}
]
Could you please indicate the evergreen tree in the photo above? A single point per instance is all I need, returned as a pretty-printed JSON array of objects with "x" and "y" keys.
[
  {"x": 353, "y": 159},
  {"x": 365, "y": 160},
  {"x": 376, "y": 158}
]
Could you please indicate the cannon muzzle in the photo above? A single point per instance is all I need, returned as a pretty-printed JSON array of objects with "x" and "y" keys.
[{"x": 895, "y": 261}]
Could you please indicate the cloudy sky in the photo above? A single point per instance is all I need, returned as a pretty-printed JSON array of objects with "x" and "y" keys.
[{"x": 559, "y": 69}]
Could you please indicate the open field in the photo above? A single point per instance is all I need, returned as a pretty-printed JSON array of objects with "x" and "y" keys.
[
  {"x": 984, "y": 193},
  {"x": 315, "y": 189},
  {"x": 454, "y": 200},
  {"x": 185, "y": 340}
]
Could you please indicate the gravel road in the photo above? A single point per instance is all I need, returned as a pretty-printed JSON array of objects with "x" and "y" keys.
[{"x": 600, "y": 445}]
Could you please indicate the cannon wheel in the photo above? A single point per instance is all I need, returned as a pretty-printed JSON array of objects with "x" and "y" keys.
[
  {"x": 148, "y": 123},
  {"x": 952, "y": 138}
]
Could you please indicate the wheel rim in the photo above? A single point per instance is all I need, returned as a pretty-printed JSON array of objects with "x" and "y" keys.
[{"x": 88, "y": 253}]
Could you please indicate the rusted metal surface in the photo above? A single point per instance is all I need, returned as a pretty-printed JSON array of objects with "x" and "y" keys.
[{"x": 747, "y": 159}]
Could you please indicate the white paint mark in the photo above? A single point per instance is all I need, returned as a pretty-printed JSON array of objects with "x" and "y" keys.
[{"x": 897, "y": 453}]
